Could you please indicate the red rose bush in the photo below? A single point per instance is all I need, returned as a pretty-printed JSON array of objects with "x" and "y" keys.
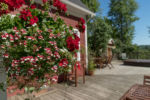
[
  {"x": 38, "y": 47},
  {"x": 10, "y": 5},
  {"x": 81, "y": 25}
]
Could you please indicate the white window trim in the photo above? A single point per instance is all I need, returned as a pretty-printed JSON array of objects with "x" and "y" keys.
[{"x": 78, "y": 53}]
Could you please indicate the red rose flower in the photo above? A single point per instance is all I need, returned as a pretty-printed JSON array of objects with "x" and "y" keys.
[
  {"x": 44, "y": 1},
  {"x": 59, "y": 5},
  {"x": 63, "y": 7},
  {"x": 82, "y": 21},
  {"x": 76, "y": 37},
  {"x": 81, "y": 25},
  {"x": 25, "y": 14},
  {"x": 14, "y": 3},
  {"x": 70, "y": 44},
  {"x": 76, "y": 41},
  {"x": 83, "y": 28},
  {"x": 73, "y": 44},
  {"x": 3, "y": 12},
  {"x": 77, "y": 64},
  {"x": 33, "y": 20},
  {"x": 56, "y": 3},
  {"x": 33, "y": 6},
  {"x": 63, "y": 63}
]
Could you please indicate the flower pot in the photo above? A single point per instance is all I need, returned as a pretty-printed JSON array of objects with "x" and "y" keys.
[
  {"x": 90, "y": 72},
  {"x": 61, "y": 78}
]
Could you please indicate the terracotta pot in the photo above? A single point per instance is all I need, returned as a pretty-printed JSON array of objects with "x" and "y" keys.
[
  {"x": 61, "y": 78},
  {"x": 91, "y": 72}
]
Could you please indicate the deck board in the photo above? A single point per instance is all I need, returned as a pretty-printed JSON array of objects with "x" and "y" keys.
[{"x": 106, "y": 84}]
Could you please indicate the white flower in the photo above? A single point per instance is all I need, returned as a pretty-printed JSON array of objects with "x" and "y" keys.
[
  {"x": 63, "y": 50},
  {"x": 34, "y": 24}
]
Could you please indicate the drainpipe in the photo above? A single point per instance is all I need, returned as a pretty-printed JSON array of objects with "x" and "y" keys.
[{"x": 86, "y": 40}]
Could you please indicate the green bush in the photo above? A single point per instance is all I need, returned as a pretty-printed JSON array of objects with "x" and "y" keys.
[{"x": 91, "y": 65}]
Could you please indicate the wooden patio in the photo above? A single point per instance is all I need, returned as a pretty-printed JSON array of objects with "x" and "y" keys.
[{"x": 107, "y": 84}]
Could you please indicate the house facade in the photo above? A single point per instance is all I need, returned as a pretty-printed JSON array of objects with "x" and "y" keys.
[{"x": 76, "y": 10}]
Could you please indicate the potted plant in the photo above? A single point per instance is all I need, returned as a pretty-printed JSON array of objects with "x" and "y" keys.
[{"x": 91, "y": 68}]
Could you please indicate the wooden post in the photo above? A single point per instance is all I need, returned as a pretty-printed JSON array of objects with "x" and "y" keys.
[
  {"x": 76, "y": 77},
  {"x": 83, "y": 74}
]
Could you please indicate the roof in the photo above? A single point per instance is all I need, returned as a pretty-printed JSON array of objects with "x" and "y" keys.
[
  {"x": 78, "y": 2},
  {"x": 78, "y": 5}
]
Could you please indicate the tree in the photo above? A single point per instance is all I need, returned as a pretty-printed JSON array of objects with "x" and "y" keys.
[
  {"x": 99, "y": 36},
  {"x": 122, "y": 16},
  {"x": 93, "y": 5}
]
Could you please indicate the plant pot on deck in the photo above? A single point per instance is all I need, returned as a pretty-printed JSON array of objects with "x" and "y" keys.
[
  {"x": 90, "y": 72},
  {"x": 91, "y": 68},
  {"x": 61, "y": 78}
]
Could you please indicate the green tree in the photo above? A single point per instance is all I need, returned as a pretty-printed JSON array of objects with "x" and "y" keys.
[
  {"x": 98, "y": 39},
  {"x": 93, "y": 5},
  {"x": 122, "y": 16}
]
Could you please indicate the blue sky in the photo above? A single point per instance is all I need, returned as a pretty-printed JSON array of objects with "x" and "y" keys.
[{"x": 141, "y": 37}]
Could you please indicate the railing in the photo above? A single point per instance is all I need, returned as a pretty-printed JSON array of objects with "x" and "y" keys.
[{"x": 139, "y": 55}]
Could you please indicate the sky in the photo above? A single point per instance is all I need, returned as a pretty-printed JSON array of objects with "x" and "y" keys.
[{"x": 142, "y": 36}]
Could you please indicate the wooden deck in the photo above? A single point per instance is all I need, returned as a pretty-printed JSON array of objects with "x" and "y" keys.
[{"x": 105, "y": 85}]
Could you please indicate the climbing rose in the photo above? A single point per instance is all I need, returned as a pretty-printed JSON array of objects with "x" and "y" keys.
[
  {"x": 63, "y": 7},
  {"x": 25, "y": 14},
  {"x": 82, "y": 21},
  {"x": 73, "y": 44},
  {"x": 33, "y": 6},
  {"x": 83, "y": 28},
  {"x": 10, "y": 5},
  {"x": 70, "y": 44},
  {"x": 5, "y": 55},
  {"x": 59, "y": 5},
  {"x": 3, "y": 12},
  {"x": 76, "y": 41},
  {"x": 54, "y": 78},
  {"x": 14, "y": 3},
  {"x": 81, "y": 25},
  {"x": 76, "y": 37},
  {"x": 54, "y": 68},
  {"x": 77, "y": 64},
  {"x": 44, "y": 1},
  {"x": 63, "y": 62},
  {"x": 33, "y": 20}
]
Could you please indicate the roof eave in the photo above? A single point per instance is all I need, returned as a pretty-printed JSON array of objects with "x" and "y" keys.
[{"x": 88, "y": 12}]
